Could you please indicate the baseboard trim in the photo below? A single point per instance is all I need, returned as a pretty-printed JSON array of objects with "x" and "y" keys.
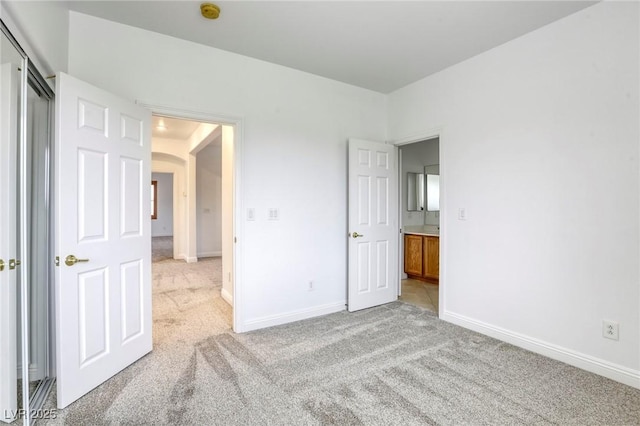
[
  {"x": 272, "y": 320},
  {"x": 598, "y": 366},
  {"x": 227, "y": 296},
  {"x": 34, "y": 372},
  {"x": 210, "y": 254}
]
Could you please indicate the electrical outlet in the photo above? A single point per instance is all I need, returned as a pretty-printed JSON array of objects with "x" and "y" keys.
[{"x": 610, "y": 330}]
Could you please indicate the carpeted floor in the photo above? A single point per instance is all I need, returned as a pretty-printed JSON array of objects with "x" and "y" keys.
[
  {"x": 162, "y": 249},
  {"x": 396, "y": 364}
]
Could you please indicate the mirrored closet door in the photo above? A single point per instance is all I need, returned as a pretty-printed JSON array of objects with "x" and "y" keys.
[{"x": 26, "y": 261}]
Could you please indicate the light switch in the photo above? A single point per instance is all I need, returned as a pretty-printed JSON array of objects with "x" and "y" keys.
[
  {"x": 462, "y": 213},
  {"x": 273, "y": 214},
  {"x": 251, "y": 213}
]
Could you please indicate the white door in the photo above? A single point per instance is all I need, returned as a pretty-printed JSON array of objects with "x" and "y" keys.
[
  {"x": 103, "y": 218},
  {"x": 373, "y": 224},
  {"x": 9, "y": 84}
]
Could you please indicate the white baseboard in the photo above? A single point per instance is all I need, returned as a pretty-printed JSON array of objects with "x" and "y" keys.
[
  {"x": 604, "y": 368},
  {"x": 316, "y": 311},
  {"x": 34, "y": 372},
  {"x": 227, "y": 296},
  {"x": 210, "y": 254},
  {"x": 182, "y": 256}
]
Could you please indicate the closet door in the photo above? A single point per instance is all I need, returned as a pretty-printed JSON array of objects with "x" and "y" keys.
[{"x": 11, "y": 62}]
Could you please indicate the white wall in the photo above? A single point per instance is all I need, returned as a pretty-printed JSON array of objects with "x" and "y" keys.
[
  {"x": 415, "y": 157},
  {"x": 163, "y": 225},
  {"x": 42, "y": 29},
  {"x": 294, "y": 144},
  {"x": 539, "y": 143},
  {"x": 209, "y": 200}
]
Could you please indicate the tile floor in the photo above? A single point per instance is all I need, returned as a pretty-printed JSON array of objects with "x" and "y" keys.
[{"x": 420, "y": 293}]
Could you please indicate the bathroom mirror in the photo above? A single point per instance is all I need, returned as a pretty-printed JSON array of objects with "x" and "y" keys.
[
  {"x": 432, "y": 176},
  {"x": 433, "y": 193},
  {"x": 415, "y": 192}
]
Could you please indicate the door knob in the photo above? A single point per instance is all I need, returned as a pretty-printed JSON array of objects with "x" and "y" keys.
[
  {"x": 1, "y": 265},
  {"x": 356, "y": 235},
  {"x": 72, "y": 260}
]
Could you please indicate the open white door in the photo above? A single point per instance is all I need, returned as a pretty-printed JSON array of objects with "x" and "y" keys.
[
  {"x": 373, "y": 224},
  {"x": 9, "y": 85},
  {"x": 103, "y": 236}
]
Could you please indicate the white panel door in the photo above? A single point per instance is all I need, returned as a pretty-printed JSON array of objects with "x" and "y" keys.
[
  {"x": 373, "y": 224},
  {"x": 9, "y": 85},
  {"x": 103, "y": 218}
]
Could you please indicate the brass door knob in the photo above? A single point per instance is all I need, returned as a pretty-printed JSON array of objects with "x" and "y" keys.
[
  {"x": 356, "y": 235},
  {"x": 72, "y": 260},
  {"x": 1, "y": 265}
]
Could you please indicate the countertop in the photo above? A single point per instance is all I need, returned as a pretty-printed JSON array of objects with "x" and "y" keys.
[{"x": 429, "y": 230}]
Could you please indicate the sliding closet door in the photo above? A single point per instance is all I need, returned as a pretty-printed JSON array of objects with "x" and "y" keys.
[
  {"x": 37, "y": 234},
  {"x": 11, "y": 64}
]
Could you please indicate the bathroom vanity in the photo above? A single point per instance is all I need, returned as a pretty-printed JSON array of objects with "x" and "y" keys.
[{"x": 422, "y": 253}]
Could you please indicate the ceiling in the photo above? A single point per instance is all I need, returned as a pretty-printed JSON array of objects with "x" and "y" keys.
[
  {"x": 378, "y": 45},
  {"x": 174, "y": 128}
]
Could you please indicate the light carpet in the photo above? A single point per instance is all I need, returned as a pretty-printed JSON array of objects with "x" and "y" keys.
[
  {"x": 395, "y": 364},
  {"x": 162, "y": 249}
]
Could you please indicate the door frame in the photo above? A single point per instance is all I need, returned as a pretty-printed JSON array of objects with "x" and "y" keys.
[
  {"x": 238, "y": 232},
  {"x": 437, "y": 132}
]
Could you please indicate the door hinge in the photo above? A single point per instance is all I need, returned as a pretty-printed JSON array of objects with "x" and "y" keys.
[{"x": 235, "y": 239}]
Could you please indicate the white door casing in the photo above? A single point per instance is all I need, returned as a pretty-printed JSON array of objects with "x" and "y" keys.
[
  {"x": 373, "y": 224},
  {"x": 9, "y": 112},
  {"x": 103, "y": 173}
]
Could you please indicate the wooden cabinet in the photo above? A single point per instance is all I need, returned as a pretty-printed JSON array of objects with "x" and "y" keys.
[
  {"x": 431, "y": 251},
  {"x": 422, "y": 257},
  {"x": 413, "y": 254}
]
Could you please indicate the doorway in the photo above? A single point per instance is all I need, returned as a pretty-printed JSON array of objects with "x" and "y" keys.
[
  {"x": 161, "y": 216},
  {"x": 193, "y": 173},
  {"x": 420, "y": 217}
]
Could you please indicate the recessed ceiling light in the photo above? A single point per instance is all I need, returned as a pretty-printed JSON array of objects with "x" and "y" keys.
[
  {"x": 209, "y": 10},
  {"x": 161, "y": 126}
]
